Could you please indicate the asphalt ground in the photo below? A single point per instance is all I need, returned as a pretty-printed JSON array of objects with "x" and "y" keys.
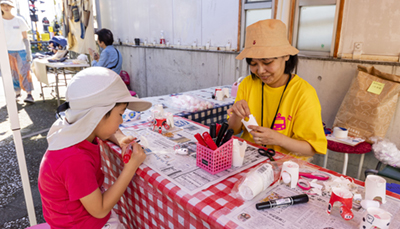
[{"x": 35, "y": 121}]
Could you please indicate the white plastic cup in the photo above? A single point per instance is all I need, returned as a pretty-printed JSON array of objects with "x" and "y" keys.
[{"x": 257, "y": 181}]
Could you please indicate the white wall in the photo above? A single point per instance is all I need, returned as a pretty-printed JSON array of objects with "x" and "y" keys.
[
  {"x": 184, "y": 20},
  {"x": 374, "y": 23}
]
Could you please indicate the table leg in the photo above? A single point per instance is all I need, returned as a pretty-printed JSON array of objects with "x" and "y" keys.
[
  {"x": 41, "y": 88},
  {"x": 57, "y": 93}
]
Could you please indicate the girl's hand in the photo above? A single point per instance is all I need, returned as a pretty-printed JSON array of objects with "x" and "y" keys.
[
  {"x": 96, "y": 57},
  {"x": 265, "y": 136},
  {"x": 137, "y": 156},
  {"x": 240, "y": 109}
]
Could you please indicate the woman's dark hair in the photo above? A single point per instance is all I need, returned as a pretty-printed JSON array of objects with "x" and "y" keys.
[
  {"x": 106, "y": 36},
  {"x": 109, "y": 112},
  {"x": 290, "y": 64}
]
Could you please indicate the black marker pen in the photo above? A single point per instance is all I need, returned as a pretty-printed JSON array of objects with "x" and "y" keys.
[{"x": 299, "y": 199}]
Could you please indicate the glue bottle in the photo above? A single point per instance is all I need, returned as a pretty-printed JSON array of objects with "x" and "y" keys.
[{"x": 162, "y": 39}]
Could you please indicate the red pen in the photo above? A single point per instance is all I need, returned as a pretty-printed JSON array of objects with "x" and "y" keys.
[
  {"x": 128, "y": 153},
  {"x": 211, "y": 144},
  {"x": 218, "y": 127},
  {"x": 200, "y": 139}
]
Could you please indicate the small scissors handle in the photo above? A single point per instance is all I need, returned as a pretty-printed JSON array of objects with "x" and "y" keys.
[{"x": 267, "y": 153}]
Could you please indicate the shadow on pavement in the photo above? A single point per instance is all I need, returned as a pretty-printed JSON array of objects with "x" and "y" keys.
[{"x": 35, "y": 120}]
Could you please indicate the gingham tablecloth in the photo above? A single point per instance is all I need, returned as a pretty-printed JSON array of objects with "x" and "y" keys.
[{"x": 151, "y": 201}]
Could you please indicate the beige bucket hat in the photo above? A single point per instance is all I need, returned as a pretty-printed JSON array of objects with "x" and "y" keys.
[
  {"x": 266, "y": 39},
  {"x": 89, "y": 96}
]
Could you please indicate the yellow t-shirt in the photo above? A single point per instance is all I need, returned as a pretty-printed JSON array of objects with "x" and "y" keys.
[{"x": 299, "y": 115}]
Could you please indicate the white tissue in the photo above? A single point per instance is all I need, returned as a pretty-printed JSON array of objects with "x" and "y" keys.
[{"x": 252, "y": 121}]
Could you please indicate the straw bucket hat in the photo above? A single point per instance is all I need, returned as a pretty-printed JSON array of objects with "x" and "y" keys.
[
  {"x": 90, "y": 95},
  {"x": 266, "y": 39}
]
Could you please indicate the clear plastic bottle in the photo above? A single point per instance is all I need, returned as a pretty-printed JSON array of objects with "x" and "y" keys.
[{"x": 162, "y": 39}]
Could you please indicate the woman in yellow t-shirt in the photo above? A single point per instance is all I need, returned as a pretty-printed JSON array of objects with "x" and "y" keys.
[{"x": 284, "y": 105}]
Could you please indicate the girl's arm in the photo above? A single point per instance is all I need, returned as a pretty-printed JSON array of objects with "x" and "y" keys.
[{"x": 100, "y": 204}]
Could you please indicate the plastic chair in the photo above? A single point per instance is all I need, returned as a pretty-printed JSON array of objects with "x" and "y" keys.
[
  {"x": 388, "y": 171},
  {"x": 127, "y": 80},
  {"x": 362, "y": 148},
  {"x": 40, "y": 226}
]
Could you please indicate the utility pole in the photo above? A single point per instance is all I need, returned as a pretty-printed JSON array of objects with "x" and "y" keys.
[{"x": 34, "y": 19}]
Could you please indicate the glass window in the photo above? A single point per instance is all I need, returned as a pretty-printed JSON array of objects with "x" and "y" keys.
[
  {"x": 253, "y": 16},
  {"x": 315, "y": 29}
]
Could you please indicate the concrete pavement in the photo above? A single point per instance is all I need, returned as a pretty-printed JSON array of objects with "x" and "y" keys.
[{"x": 35, "y": 121}]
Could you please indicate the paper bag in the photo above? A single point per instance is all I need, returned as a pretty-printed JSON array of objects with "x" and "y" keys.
[{"x": 369, "y": 104}]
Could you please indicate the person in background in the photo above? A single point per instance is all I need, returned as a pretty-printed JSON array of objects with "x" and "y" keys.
[
  {"x": 57, "y": 43},
  {"x": 284, "y": 105},
  {"x": 19, "y": 50},
  {"x": 110, "y": 57},
  {"x": 70, "y": 175}
]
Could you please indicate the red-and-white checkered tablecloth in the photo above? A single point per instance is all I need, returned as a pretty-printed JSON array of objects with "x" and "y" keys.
[{"x": 152, "y": 201}]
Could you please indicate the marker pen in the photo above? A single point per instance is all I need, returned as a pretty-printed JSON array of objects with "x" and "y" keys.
[{"x": 299, "y": 199}]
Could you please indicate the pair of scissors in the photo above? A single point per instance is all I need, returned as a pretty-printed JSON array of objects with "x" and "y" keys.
[
  {"x": 267, "y": 153},
  {"x": 304, "y": 184}
]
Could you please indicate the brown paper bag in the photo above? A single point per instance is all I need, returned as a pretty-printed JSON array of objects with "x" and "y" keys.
[{"x": 366, "y": 114}]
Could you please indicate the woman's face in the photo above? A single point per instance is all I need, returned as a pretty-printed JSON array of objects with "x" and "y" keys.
[
  {"x": 270, "y": 70},
  {"x": 6, "y": 8}
]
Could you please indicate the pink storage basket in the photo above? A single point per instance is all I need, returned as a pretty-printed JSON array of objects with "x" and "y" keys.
[{"x": 215, "y": 161}]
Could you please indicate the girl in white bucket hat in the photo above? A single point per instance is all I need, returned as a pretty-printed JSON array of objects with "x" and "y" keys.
[
  {"x": 70, "y": 178},
  {"x": 284, "y": 105}
]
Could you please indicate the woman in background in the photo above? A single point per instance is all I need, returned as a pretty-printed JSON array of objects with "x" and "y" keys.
[{"x": 19, "y": 50}]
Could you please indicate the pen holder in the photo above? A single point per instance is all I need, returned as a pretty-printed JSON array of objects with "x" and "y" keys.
[{"x": 214, "y": 161}]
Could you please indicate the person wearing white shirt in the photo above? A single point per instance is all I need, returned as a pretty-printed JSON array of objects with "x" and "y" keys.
[{"x": 19, "y": 50}]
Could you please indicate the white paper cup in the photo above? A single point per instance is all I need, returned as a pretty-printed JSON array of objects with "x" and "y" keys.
[
  {"x": 375, "y": 187},
  {"x": 291, "y": 168},
  {"x": 375, "y": 218}
]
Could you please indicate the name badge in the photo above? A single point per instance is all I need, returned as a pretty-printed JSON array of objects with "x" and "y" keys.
[{"x": 16, "y": 27}]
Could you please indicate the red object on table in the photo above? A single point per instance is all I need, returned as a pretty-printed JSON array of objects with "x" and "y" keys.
[
  {"x": 363, "y": 147},
  {"x": 128, "y": 153}
]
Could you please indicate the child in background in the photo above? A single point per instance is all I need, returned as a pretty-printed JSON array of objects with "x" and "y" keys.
[{"x": 70, "y": 176}]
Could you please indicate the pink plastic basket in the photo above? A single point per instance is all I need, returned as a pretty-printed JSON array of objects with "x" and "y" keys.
[{"x": 214, "y": 161}]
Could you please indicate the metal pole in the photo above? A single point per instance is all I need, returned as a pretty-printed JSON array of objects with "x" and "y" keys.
[{"x": 14, "y": 121}]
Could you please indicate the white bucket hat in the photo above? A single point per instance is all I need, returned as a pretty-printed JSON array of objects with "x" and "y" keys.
[
  {"x": 8, "y": 2},
  {"x": 90, "y": 95}
]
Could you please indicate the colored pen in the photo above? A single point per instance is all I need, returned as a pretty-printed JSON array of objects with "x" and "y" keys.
[
  {"x": 211, "y": 144},
  {"x": 221, "y": 133},
  {"x": 213, "y": 130},
  {"x": 299, "y": 199},
  {"x": 227, "y": 136},
  {"x": 200, "y": 139},
  {"x": 218, "y": 127},
  {"x": 128, "y": 153}
]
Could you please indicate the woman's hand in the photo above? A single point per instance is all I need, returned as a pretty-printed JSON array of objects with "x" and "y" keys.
[
  {"x": 265, "y": 136},
  {"x": 240, "y": 109}
]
